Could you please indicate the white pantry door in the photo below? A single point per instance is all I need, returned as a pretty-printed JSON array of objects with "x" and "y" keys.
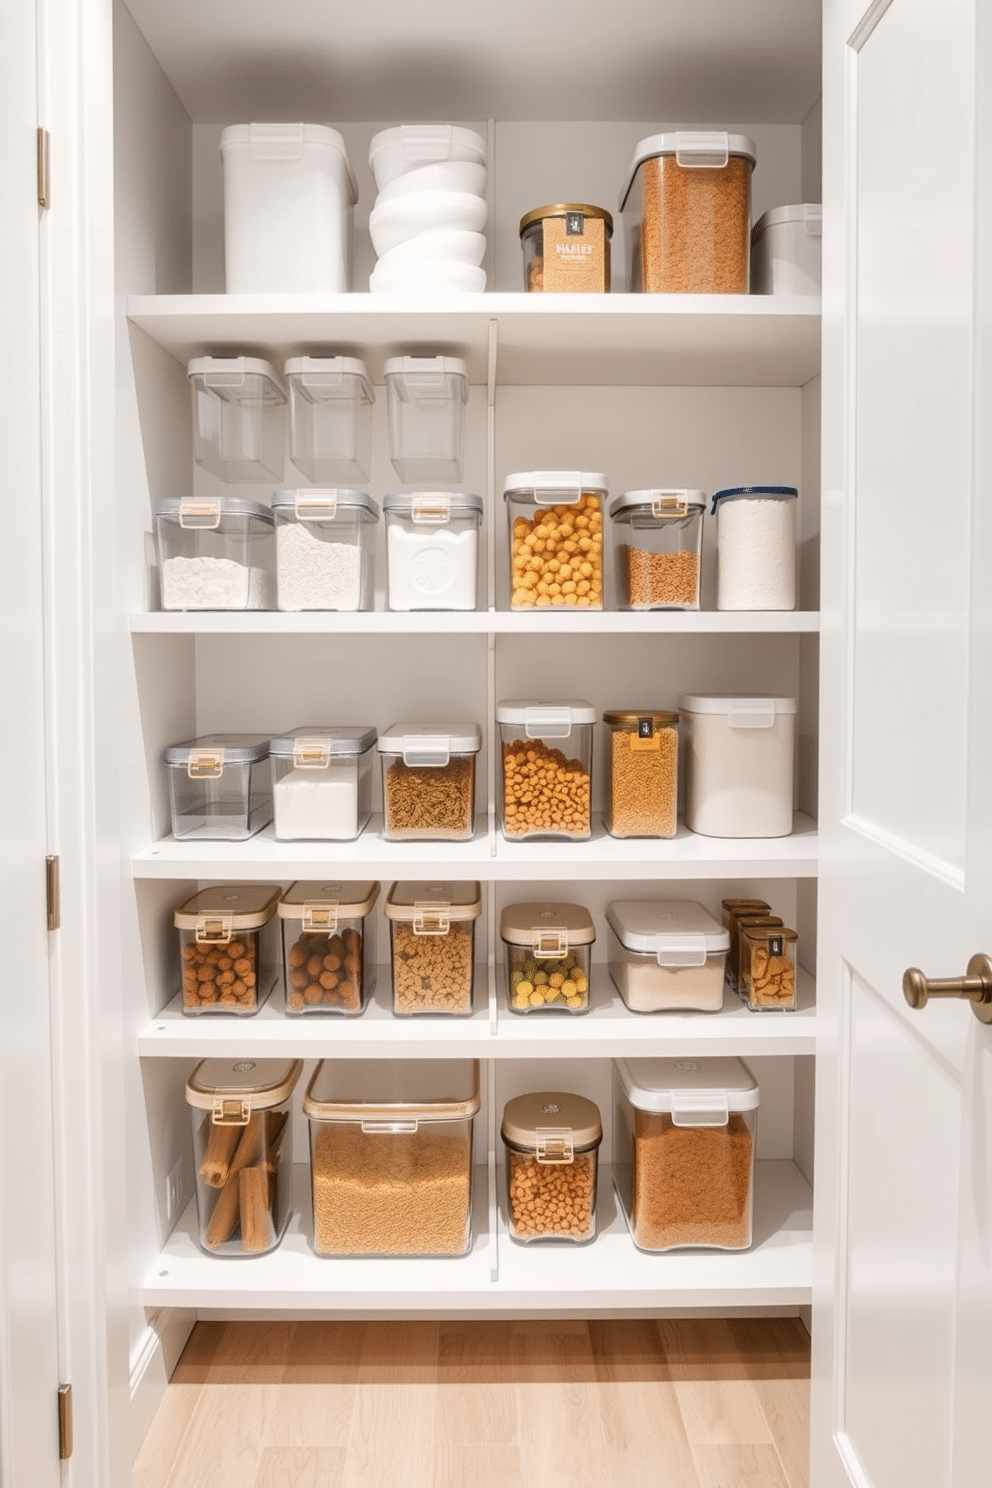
[{"x": 903, "y": 1288}]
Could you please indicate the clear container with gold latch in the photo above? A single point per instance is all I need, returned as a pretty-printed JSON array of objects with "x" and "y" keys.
[
  {"x": 228, "y": 948},
  {"x": 220, "y": 787},
  {"x": 551, "y": 1141},
  {"x": 657, "y": 537},
  {"x": 432, "y": 943}
]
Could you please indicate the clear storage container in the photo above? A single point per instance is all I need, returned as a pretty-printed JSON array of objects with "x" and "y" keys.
[
  {"x": 228, "y": 947},
  {"x": 687, "y": 213},
  {"x": 741, "y": 921},
  {"x": 242, "y": 1152},
  {"x": 330, "y": 417},
  {"x": 739, "y": 764},
  {"x": 683, "y": 1151},
  {"x": 428, "y": 781},
  {"x": 767, "y": 980},
  {"x": 325, "y": 548},
  {"x": 328, "y": 946},
  {"x": 642, "y": 773},
  {"x": 432, "y": 946},
  {"x": 215, "y": 553},
  {"x": 657, "y": 537},
  {"x": 551, "y": 1140},
  {"x": 432, "y": 549},
  {"x": 322, "y": 782},
  {"x": 220, "y": 787},
  {"x": 547, "y": 951},
  {"x": 238, "y": 417},
  {"x": 730, "y": 909},
  {"x": 556, "y": 538},
  {"x": 756, "y": 548},
  {"x": 566, "y": 249},
  {"x": 391, "y": 1156},
  {"x": 666, "y": 954},
  {"x": 546, "y": 768},
  {"x": 426, "y": 397},
  {"x": 787, "y": 250}
]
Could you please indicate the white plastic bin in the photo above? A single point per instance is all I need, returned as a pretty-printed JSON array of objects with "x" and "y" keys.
[
  {"x": 739, "y": 764},
  {"x": 787, "y": 250},
  {"x": 330, "y": 417},
  {"x": 238, "y": 417},
  {"x": 406, "y": 147},
  {"x": 426, "y": 399},
  {"x": 666, "y": 954},
  {"x": 756, "y": 547},
  {"x": 432, "y": 549}
]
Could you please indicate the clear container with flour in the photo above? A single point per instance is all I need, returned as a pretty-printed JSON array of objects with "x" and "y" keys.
[
  {"x": 325, "y": 548},
  {"x": 432, "y": 549},
  {"x": 322, "y": 782},
  {"x": 756, "y": 547}
]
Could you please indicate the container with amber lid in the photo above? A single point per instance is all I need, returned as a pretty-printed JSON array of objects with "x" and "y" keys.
[{"x": 566, "y": 248}]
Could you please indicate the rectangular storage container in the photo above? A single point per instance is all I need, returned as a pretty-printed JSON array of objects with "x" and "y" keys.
[
  {"x": 566, "y": 249},
  {"x": 787, "y": 250},
  {"x": 391, "y": 1156},
  {"x": 432, "y": 946},
  {"x": 328, "y": 946},
  {"x": 426, "y": 397},
  {"x": 739, "y": 764},
  {"x": 546, "y": 769},
  {"x": 220, "y": 787},
  {"x": 428, "y": 781},
  {"x": 642, "y": 773},
  {"x": 740, "y": 922},
  {"x": 432, "y": 549},
  {"x": 322, "y": 782},
  {"x": 239, "y": 417},
  {"x": 657, "y": 537},
  {"x": 756, "y": 547},
  {"x": 242, "y": 1152},
  {"x": 325, "y": 548},
  {"x": 228, "y": 948},
  {"x": 767, "y": 979},
  {"x": 547, "y": 951},
  {"x": 683, "y": 1151},
  {"x": 666, "y": 954},
  {"x": 730, "y": 909},
  {"x": 215, "y": 553},
  {"x": 555, "y": 522},
  {"x": 330, "y": 417},
  {"x": 551, "y": 1140}
]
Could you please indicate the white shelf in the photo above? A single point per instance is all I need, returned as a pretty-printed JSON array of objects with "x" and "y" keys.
[{"x": 477, "y": 622}]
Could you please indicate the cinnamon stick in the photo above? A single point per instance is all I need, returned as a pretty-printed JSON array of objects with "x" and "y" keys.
[
  {"x": 226, "y": 1212},
  {"x": 221, "y": 1143},
  {"x": 257, "y": 1228}
]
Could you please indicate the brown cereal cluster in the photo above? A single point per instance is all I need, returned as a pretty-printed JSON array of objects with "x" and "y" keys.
[
  {"x": 325, "y": 971},
  {"x": 544, "y": 791},
  {"x": 552, "y": 1200},
  {"x": 535, "y": 273},
  {"x": 221, "y": 974},
  {"x": 433, "y": 802},
  {"x": 695, "y": 228},
  {"x": 766, "y": 980},
  {"x": 432, "y": 973},
  {"x": 643, "y": 794},
  {"x": 655, "y": 580},
  {"x": 557, "y": 556}
]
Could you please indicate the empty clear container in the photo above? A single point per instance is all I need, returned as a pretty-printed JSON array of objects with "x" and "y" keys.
[
  {"x": 547, "y": 951},
  {"x": 428, "y": 781},
  {"x": 556, "y": 538},
  {"x": 322, "y": 782},
  {"x": 220, "y": 787},
  {"x": 666, "y": 955},
  {"x": 432, "y": 549},
  {"x": 426, "y": 398},
  {"x": 325, "y": 549},
  {"x": 328, "y": 946},
  {"x": 551, "y": 1140},
  {"x": 546, "y": 769},
  {"x": 228, "y": 947},
  {"x": 330, "y": 417},
  {"x": 432, "y": 946},
  {"x": 239, "y": 408},
  {"x": 657, "y": 536},
  {"x": 215, "y": 553}
]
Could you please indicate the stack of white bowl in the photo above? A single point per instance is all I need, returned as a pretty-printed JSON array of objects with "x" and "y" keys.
[{"x": 429, "y": 218}]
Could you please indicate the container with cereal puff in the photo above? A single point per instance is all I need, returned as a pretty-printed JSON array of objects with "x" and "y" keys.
[
  {"x": 546, "y": 776},
  {"x": 556, "y": 539},
  {"x": 432, "y": 946},
  {"x": 228, "y": 947}
]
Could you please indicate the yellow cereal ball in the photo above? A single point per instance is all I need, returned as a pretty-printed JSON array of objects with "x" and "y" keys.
[
  {"x": 536, "y": 998},
  {"x": 581, "y": 982},
  {"x": 540, "y": 979},
  {"x": 568, "y": 990},
  {"x": 524, "y": 989},
  {"x": 555, "y": 979},
  {"x": 576, "y": 1002}
]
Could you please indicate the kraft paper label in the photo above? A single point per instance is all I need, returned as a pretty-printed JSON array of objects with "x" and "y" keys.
[{"x": 576, "y": 254}]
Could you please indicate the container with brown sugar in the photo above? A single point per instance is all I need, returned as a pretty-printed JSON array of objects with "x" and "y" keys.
[
  {"x": 666, "y": 955},
  {"x": 657, "y": 537},
  {"x": 432, "y": 945},
  {"x": 228, "y": 947},
  {"x": 328, "y": 946},
  {"x": 566, "y": 249},
  {"x": 642, "y": 773},
  {"x": 551, "y": 1141}
]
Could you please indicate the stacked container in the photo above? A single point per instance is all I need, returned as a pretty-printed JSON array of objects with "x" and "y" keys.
[
  {"x": 432, "y": 946},
  {"x": 325, "y": 549},
  {"x": 556, "y": 538},
  {"x": 546, "y": 757},
  {"x": 328, "y": 945},
  {"x": 426, "y": 396},
  {"x": 220, "y": 788},
  {"x": 330, "y": 417},
  {"x": 428, "y": 221},
  {"x": 551, "y": 1140},
  {"x": 322, "y": 782},
  {"x": 432, "y": 550},
  {"x": 547, "y": 951},
  {"x": 657, "y": 536},
  {"x": 215, "y": 553},
  {"x": 428, "y": 781},
  {"x": 239, "y": 415},
  {"x": 666, "y": 955},
  {"x": 228, "y": 948}
]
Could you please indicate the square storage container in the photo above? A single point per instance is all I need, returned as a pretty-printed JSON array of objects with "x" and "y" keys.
[
  {"x": 546, "y": 769},
  {"x": 215, "y": 553},
  {"x": 239, "y": 417},
  {"x": 328, "y": 946},
  {"x": 242, "y": 1152},
  {"x": 289, "y": 199},
  {"x": 551, "y": 1140},
  {"x": 657, "y": 536},
  {"x": 556, "y": 538},
  {"x": 730, "y": 909},
  {"x": 683, "y": 1151},
  {"x": 756, "y": 547},
  {"x": 566, "y": 249},
  {"x": 220, "y": 787},
  {"x": 229, "y": 948},
  {"x": 687, "y": 213},
  {"x": 642, "y": 773},
  {"x": 767, "y": 979},
  {"x": 739, "y": 764},
  {"x": 432, "y": 550},
  {"x": 432, "y": 946},
  {"x": 666, "y": 955},
  {"x": 330, "y": 417},
  {"x": 740, "y": 922},
  {"x": 426, "y": 397},
  {"x": 547, "y": 950},
  {"x": 322, "y": 782},
  {"x": 428, "y": 781},
  {"x": 391, "y": 1156},
  {"x": 325, "y": 549},
  {"x": 787, "y": 250}
]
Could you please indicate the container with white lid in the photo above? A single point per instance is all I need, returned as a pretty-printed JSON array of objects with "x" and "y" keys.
[
  {"x": 289, "y": 199},
  {"x": 552, "y": 1141},
  {"x": 391, "y": 1156},
  {"x": 432, "y": 944},
  {"x": 330, "y": 417},
  {"x": 228, "y": 946},
  {"x": 426, "y": 397},
  {"x": 215, "y": 553},
  {"x": 683, "y": 1151},
  {"x": 546, "y": 756},
  {"x": 739, "y": 754},
  {"x": 242, "y": 1151},
  {"x": 322, "y": 782},
  {"x": 328, "y": 945},
  {"x": 428, "y": 781},
  {"x": 406, "y": 147},
  {"x": 432, "y": 549},
  {"x": 325, "y": 548},
  {"x": 666, "y": 954},
  {"x": 547, "y": 952},
  {"x": 219, "y": 787},
  {"x": 555, "y": 520},
  {"x": 787, "y": 250},
  {"x": 239, "y": 407},
  {"x": 756, "y": 547},
  {"x": 657, "y": 536}
]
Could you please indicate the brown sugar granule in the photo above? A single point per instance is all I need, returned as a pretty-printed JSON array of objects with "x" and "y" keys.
[
  {"x": 656, "y": 580},
  {"x": 432, "y": 973},
  {"x": 431, "y": 802},
  {"x": 643, "y": 795},
  {"x": 692, "y": 1184},
  {"x": 695, "y": 228}
]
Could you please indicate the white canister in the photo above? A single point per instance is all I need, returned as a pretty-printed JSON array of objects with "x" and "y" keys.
[
  {"x": 739, "y": 755},
  {"x": 756, "y": 547},
  {"x": 787, "y": 250},
  {"x": 432, "y": 549}
]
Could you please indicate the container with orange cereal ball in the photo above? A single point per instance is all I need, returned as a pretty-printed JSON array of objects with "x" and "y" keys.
[
  {"x": 328, "y": 946},
  {"x": 547, "y": 951},
  {"x": 546, "y": 757},
  {"x": 556, "y": 539},
  {"x": 552, "y": 1141},
  {"x": 228, "y": 948}
]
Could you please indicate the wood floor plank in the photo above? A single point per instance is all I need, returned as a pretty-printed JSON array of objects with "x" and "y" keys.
[
  {"x": 562, "y": 1440},
  {"x": 480, "y": 1467},
  {"x": 748, "y": 1466},
  {"x": 645, "y": 1436},
  {"x": 300, "y": 1467},
  {"x": 223, "y": 1444},
  {"x": 785, "y": 1405},
  {"x": 716, "y": 1398},
  {"x": 391, "y": 1442},
  {"x": 476, "y": 1389},
  {"x": 771, "y": 1348}
]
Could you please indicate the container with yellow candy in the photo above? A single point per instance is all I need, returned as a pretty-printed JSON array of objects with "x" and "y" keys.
[{"x": 548, "y": 946}]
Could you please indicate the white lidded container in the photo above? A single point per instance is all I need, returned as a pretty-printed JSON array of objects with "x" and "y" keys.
[
  {"x": 547, "y": 951},
  {"x": 787, "y": 250},
  {"x": 407, "y": 147},
  {"x": 289, "y": 198},
  {"x": 426, "y": 397},
  {"x": 657, "y": 536},
  {"x": 238, "y": 417},
  {"x": 325, "y": 548},
  {"x": 556, "y": 520},
  {"x": 228, "y": 947},
  {"x": 551, "y": 1140},
  {"x": 330, "y": 417},
  {"x": 322, "y": 782},
  {"x": 432, "y": 549},
  {"x": 432, "y": 946},
  {"x": 215, "y": 553},
  {"x": 666, "y": 954},
  {"x": 739, "y": 754},
  {"x": 428, "y": 781},
  {"x": 546, "y": 756},
  {"x": 328, "y": 947},
  {"x": 756, "y": 547},
  {"x": 220, "y": 789}
]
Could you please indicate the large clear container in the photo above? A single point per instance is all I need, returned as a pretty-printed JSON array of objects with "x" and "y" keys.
[
  {"x": 657, "y": 536},
  {"x": 426, "y": 397},
  {"x": 767, "y": 979},
  {"x": 242, "y": 1152},
  {"x": 683, "y": 1151},
  {"x": 328, "y": 946},
  {"x": 391, "y": 1156},
  {"x": 546, "y": 769},
  {"x": 330, "y": 417},
  {"x": 215, "y": 553},
  {"x": 325, "y": 548},
  {"x": 432, "y": 946},
  {"x": 551, "y": 1140},
  {"x": 220, "y": 787},
  {"x": 642, "y": 773},
  {"x": 666, "y": 955},
  {"x": 739, "y": 764},
  {"x": 756, "y": 547},
  {"x": 322, "y": 782},
  {"x": 428, "y": 781},
  {"x": 547, "y": 951},
  {"x": 432, "y": 549},
  {"x": 566, "y": 249},
  {"x": 228, "y": 948},
  {"x": 556, "y": 538},
  {"x": 239, "y": 406}
]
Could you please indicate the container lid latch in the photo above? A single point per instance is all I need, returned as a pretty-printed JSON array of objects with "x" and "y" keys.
[
  {"x": 214, "y": 929},
  {"x": 311, "y": 754},
  {"x": 228, "y": 1111},
  {"x": 205, "y": 764},
  {"x": 320, "y": 917},
  {"x": 550, "y": 942},
  {"x": 433, "y": 510},
  {"x": 315, "y": 505},
  {"x": 431, "y": 919},
  {"x": 682, "y": 950},
  {"x": 554, "y": 1144},
  {"x": 700, "y": 1108},
  {"x": 196, "y": 514}
]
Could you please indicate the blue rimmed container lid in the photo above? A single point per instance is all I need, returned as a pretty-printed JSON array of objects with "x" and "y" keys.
[{"x": 734, "y": 493}]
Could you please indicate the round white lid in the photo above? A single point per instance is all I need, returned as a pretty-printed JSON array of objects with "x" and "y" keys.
[{"x": 567, "y": 485}]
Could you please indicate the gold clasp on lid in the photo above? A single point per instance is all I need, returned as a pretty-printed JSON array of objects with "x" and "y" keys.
[
  {"x": 317, "y": 504},
  {"x": 228, "y": 1111},
  {"x": 214, "y": 929},
  {"x": 205, "y": 764},
  {"x": 312, "y": 754},
  {"x": 550, "y": 942},
  {"x": 433, "y": 510},
  {"x": 199, "y": 513},
  {"x": 431, "y": 919},
  {"x": 554, "y": 1145},
  {"x": 669, "y": 504},
  {"x": 322, "y": 917}
]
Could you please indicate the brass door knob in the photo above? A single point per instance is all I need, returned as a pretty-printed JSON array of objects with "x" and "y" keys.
[{"x": 976, "y": 987}]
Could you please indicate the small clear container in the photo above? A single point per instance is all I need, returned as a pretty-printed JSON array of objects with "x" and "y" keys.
[
  {"x": 228, "y": 948},
  {"x": 391, "y": 1156},
  {"x": 657, "y": 537},
  {"x": 739, "y": 764},
  {"x": 683, "y": 1151},
  {"x": 556, "y": 538},
  {"x": 547, "y": 953},
  {"x": 243, "y": 1153},
  {"x": 322, "y": 782},
  {"x": 215, "y": 553},
  {"x": 426, "y": 397},
  {"x": 220, "y": 787},
  {"x": 729, "y": 910},
  {"x": 642, "y": 773},
  {"x": 325, "y": 549},
  {"x": 546, "y": 769},
  {"x": 666, "y": 955},
  {"x": 551, "y": 1141},
  {"x": 239, "y": 408},
  {"x": 766, "y": 978},
  {"x": 432, "y": 946},
  {"x": 756, "y": 547},
  {"x": 566, "y": 249},
  {"x": 739, "y": 919},
  {"x": 330, "y": 417},
  {"x": 428, "y": 781},
  {"x": 432, "y": 549},
  {"x": 328, "y": 947}
]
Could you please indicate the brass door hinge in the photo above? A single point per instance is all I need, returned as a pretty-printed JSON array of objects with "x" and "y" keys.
[
  {"x": 52, "y": 892},
  {"x": 44, "y": 141},
  {"x": 65, "y": 1422}
]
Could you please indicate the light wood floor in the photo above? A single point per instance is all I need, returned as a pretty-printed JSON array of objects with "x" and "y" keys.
[{"x": 602, "y": 1404}]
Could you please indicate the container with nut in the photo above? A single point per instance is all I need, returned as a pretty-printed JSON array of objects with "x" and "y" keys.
[
  {"x": 666, "y": 955},
  {"x": 219, "y": 787},
  {"x": 552, "y": 1144},
  {"x": 322, "y": 782},
  {"x": 432, "y": 943},
  {"x": 547, "y": 952},
  {"x": 546, "y": 752},
  {"x": 767, "y": 977},
  {"x": 657, "y": 537},
  {"x": 642, "y": 773},
  {"x": 556, "y": 539},
  {"x": 428, "y": 781},
  {"x": 228, "y": 947},
  {"x": 566, "y": 249},
  {"x": 328, "y": 946}
]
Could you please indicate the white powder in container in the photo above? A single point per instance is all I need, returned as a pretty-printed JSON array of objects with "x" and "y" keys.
[
  {"x": 432, "y": 568},
  {"x": 314, "y": 574},
  {"x": 756, "y": 549},
  {"x": 214, "y": 584},
  {"x": 321, "y": 805},
  {"x": 739, "y": 764}
]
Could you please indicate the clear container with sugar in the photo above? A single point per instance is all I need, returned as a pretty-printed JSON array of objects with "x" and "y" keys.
[
  {"x": 325, "y": 548},
  {"x": 322, "y": 782}
]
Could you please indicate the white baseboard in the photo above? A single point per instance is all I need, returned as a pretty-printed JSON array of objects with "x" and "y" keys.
[{"x": 153, "y": 1360}]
